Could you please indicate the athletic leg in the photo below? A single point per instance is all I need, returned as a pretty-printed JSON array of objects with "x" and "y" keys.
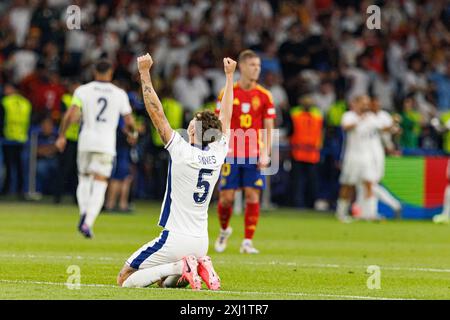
[
  {"x": 225, "y": 210},
  {"x": 370, "y": 203},
  {"x": 383, "y": 195},
  {"x": 100, "y": 167},
  {"x": 112, "y": 194},
  {"x": 9, "y": 162},
  {"x": 252, "y": 209},
  {"x": 145, "y": 277},
  {"x": 20, "y": 169},
  {"x": 96, "y": 199},
  {"x": 125, "y": 193},
  {"x": 343, "y": 203}
]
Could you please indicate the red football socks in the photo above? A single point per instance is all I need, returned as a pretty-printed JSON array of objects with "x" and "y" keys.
[
  {"x": 251, "y": 219},
  {"x": 224, "y": 215}
]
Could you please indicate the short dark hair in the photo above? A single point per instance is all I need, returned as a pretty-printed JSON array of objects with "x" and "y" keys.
[
  {"x": 209, "y": 121},
  {"x": 103, "y": 66},
  {"x": 247, "y": 54}
]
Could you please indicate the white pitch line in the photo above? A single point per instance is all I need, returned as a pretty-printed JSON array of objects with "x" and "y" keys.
[
  {"x": 219, "y": 261},
  {"x": 287, "y": 294}
]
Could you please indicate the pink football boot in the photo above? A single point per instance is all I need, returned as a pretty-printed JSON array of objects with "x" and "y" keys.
[
  {"x": 208, "y": 274},
  {"x": 190, "y": 274}
]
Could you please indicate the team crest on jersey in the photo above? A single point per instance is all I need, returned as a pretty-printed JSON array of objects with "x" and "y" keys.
[
  {"x": 236, "y": 101},
  {"x": 256, "y": 103},
  {"x": 245, "y": 107}
]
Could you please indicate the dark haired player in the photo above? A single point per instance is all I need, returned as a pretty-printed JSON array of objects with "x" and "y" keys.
[
  {"x": 99, "y": 104},
  {"x": 178, "y": 255}
]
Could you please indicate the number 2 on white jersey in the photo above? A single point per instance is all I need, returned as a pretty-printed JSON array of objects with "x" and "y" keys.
[{"x": 104, "y": 104}]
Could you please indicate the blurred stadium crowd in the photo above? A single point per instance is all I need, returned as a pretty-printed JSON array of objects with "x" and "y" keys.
[{"x": 316, "y": 56}]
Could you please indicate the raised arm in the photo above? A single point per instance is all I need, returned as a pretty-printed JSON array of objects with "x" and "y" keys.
[
  {"x": 226, "y": 105},
  {"x": 151, "y": 100}
]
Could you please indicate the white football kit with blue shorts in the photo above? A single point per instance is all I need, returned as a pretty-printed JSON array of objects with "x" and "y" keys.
[
  {"x": 192, "y": 175},
  {"x": 102, "y": 104}
]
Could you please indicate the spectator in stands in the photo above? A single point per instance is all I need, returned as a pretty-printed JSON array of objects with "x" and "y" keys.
[
  {"x": 191, "y": 89},
  {"x": 279, "y": 95},
  {"x": 411, "y": 123},
  {"x": 15, "y": 115},
  {"x": 47, "y": 157},
  {"x": 325, "y": 96},
  {"x": 19, "y": 20},
  {"x": 441, "y": 86},
  {"x": 312, "y": 42},
  {"x": 23, "y": 61},
  {"x": 67, "y": 160},
  {"x": 416, "y": 82},
  {"x": 173, "y": 110},
  {"x": 384, "y": 88},
  {"x": 330, "y": 156},
  {"x": 117, "y": 197},
  {"x": 359, "y": 77},
  {"x": 306, "y": 142}
]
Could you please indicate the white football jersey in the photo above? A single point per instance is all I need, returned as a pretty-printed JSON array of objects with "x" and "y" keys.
[
  {"x": 359, "y": 140},
  {"x": 384, "y": 120},
  {"x": 102, "y": 103},
  {"x": 192, "y": 175}
]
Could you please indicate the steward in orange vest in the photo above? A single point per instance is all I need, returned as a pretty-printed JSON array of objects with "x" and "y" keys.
[
  {"x": 306, "y": 142},
  {"x": 306, "y": 139}
]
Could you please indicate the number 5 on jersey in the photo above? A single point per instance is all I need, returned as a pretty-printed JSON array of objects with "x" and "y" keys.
[{"x": 201, "y": 197}]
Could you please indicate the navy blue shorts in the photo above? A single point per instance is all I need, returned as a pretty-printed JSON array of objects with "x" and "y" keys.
[
  {"x": 121, "y": 168},
  {"x": 236, "y": 176}
]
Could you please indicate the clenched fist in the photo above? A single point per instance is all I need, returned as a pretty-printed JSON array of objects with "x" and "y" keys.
[
  {"x": 144, "y": 63},
  {"x": 229, "y": 65}
]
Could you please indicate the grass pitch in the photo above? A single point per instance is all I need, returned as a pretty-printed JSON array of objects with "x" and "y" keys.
[{"x": 304, "y": 255}]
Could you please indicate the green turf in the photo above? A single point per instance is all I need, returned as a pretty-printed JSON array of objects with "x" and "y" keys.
[{"x": 303, "y": 256}]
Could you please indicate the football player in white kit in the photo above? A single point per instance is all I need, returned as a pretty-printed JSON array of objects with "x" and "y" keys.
[
  {"x": 178, "y": 255},
  {"x": 360, "y": 126},
  {"x": 382, "y": 138},
  {"x": 99, "y": 104}
]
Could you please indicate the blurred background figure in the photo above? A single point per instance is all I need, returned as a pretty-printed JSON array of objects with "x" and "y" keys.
[
  {"x": 411, "y": 123},
  {"x": 306, "y": 142},
  {"x": 67, "y": 179},
  {"x": 317, "y": 48},
  {"x": 118, "y": 194},
  {"x": 47, "y": 167},
  {"x": 174, "y": 112},
  {"x": 15, "y": 115}
]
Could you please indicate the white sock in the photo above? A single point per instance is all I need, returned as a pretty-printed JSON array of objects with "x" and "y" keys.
[
  {"x": 342, "y": 207},
  {"x": 145, "y": 277},
  {"x": 83, "y": 192},
  {"x": 369, "y": 207},
  {"x": 384, "y": 196},
  {"x": 96, "y": 201},
  {"x": 172, "y": 282},
  {"x": 359, "y": 194},
  {"x": 446, "y": 210}
]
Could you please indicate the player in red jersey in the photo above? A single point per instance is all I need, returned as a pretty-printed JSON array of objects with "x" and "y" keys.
[{"x": 249, "y": 151}]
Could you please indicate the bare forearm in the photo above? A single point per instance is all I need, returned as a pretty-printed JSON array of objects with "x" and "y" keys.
[
  {"x": 267, "y": 138},
  {"x": 226, "y": 109},
  {"x": 130, "y": 125},
  {"x": 155, "y": 109},
  {"x": 349, "y": 127},
  {"x": 68, "y": 119}
]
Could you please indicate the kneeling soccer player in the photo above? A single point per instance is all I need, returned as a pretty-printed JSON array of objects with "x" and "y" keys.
[{"x": 178, "y": 255}]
